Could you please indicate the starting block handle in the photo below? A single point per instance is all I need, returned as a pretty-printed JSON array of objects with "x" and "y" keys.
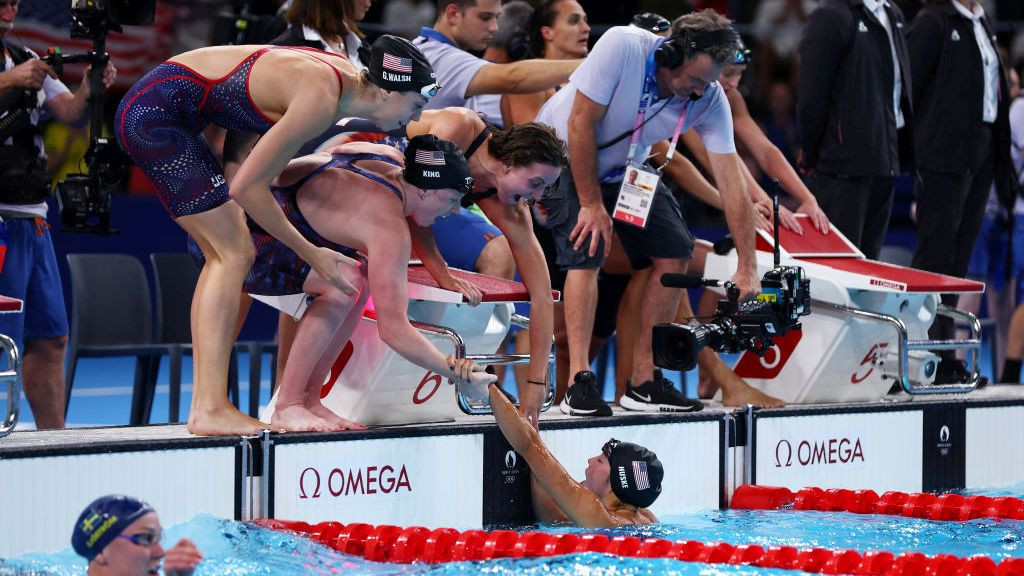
[
  {"x": 473, "y": 408},
  {"x": 12, "y": 379},
  {"x": 972, "y": 345}
]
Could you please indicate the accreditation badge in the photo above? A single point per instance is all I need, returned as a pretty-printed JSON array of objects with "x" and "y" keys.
[{"x": 636, "y": 194}]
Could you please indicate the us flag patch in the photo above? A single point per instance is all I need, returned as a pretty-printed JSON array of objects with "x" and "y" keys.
[
  {"x": 397, "y": 64},
  {"x": 430, "y": 157},
  {"x": 640, "y": 475}
]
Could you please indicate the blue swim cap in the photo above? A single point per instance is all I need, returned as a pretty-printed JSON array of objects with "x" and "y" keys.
[{"x": 103, "y": 520}]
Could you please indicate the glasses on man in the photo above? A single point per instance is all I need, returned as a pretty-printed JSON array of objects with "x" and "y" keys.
[{"x": 144, "y": 539}]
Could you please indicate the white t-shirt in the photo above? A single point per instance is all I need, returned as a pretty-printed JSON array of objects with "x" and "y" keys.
[
  {"x": 454, "y": 68},
  {"x": 613, "y": 75},
  {"x": 51, "y": 89}
]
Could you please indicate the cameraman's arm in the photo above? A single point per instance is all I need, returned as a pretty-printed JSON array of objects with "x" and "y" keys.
[
  {"x": 72, "y": 108},
  {"x": 738, "y": 214}
]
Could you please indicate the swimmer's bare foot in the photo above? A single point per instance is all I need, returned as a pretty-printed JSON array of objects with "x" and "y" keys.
[
  {"x": 297, "y": 418},
  {"x": 706, "y": 386},
  {"x": 739, "y": 393},
  {"x": 223, "y": 420},
  {"x": 338, "y": 422}
]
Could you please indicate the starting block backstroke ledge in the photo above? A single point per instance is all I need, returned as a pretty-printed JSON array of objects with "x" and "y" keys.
[{"x": 868, "y": 326}]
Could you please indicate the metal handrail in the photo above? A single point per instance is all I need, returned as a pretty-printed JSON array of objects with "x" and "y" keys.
[
  {"x": 904, "y": 344},
  {"x": 464, "y": 403},
  {"x": 12, "y": 379}
]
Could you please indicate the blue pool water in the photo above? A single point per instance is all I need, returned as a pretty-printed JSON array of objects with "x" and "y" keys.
[{"x": 236, "y": 548}]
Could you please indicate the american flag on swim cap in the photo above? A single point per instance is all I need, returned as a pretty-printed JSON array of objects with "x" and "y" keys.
[
  {"x": 397, "y": 64},
  {"x": 640, "y": 475},
  {"x": 430, "y": 157}
]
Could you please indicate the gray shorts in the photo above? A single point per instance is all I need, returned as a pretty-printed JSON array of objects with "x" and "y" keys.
[{"x": 665, "y": 236}]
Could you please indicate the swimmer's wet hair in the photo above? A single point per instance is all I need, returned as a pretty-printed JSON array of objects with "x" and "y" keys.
[{"x": 527, "y": 143}]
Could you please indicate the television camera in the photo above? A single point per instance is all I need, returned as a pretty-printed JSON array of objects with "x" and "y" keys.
[
  {"x": 750, "y": 325},
  {"x": 85, "y": 199}
]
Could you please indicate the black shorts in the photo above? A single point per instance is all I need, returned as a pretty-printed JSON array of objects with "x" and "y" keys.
[{"x": 666, "y": 235}]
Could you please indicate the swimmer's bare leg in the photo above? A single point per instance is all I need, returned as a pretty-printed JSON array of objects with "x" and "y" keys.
[
  {"x": 323, "y": 367},
  {"x": 227, "y": 246}
]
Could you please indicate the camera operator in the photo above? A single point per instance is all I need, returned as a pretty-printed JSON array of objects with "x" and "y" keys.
[{"x": 29, "y": 87}]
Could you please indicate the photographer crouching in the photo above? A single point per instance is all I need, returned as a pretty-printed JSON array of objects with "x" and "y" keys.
[{"x": 27, "y": 87}]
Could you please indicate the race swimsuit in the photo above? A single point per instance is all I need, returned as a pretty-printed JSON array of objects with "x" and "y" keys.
[
  {"x": 159, "y": 124},
  {"x": 278, "y": 270}
]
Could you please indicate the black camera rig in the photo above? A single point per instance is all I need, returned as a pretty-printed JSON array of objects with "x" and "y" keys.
[
  {"x": 750, "y": 325},
  {"x": 85, "y": 199}
]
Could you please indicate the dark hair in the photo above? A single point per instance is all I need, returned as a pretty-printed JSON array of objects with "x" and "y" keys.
[
  {"x": 331, "y": 18},
  {"x": 689, "y": 25},
  {"x": 462, "y": 4},
  {"x": 514, "y": 30},
  {"x": 544, "y": 15},
  {"x": 527, "y": 143}
]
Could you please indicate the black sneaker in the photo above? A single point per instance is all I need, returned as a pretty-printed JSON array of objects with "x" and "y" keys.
[
  {"x": 583, "y": 398},
  {"x": 658, "y": 395},
  {"x": 954, "y": 371}
]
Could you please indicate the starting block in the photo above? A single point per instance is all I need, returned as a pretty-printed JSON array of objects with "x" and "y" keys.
[
  {"x": 372, "y": 384},
  {"x": 11, "y": 375},
  {"x": 868, "y": 326}
]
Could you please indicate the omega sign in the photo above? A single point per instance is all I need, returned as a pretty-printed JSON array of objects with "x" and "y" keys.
[
  {"x": 818, "y": 452},
  {"x": 339, "y": 483}
]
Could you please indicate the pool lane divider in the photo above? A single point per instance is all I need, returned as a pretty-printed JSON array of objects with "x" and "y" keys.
[
  {"x": 948, "y": 507},
  {"x": 395, "y": 544}
]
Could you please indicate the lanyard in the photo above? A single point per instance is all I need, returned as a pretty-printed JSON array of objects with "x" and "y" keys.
[
  {"x": 431, "y": 34},
  {"x": 647, "y": 97}
]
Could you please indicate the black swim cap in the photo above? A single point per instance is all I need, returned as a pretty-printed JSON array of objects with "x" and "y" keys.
[
  {"x": 435, "y": 164},
  {"x": 397, "y": 65},
  {"x": 636, "y": 472}
]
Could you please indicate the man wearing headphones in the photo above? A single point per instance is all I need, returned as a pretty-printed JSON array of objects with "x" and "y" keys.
[{"x": 636, "y": 89}]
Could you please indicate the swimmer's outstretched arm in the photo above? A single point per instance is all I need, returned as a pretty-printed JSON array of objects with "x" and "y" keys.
[{"x": 578, "y": 503}]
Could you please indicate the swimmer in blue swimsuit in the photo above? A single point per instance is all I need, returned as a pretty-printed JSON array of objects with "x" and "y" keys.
[
  {"x": 288, "y": 94},
  {"x": 356, "y": 198}
]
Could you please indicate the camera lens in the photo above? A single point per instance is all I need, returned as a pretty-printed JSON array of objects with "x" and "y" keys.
[{"x": 676, "y": 345}]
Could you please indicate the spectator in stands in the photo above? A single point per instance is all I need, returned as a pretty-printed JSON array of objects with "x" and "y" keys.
[
  {"x": 1015, "y": 342},
  {"x": 777, "y": 27},
  {"x": 120, "y": 536},
  {"x": 158, "y": 123},
  {"x": 406, "y": 17},
  {"x": 468, "y": 25},
  {"x": 668, "y": 85},
  {"x": 621, "y": 481},
  {"x": 961, "y": 141},
  {"x": 559, "y": 30},
  {"x": 373, "y": 190},
  {"x": 30, "y": 273},
  {"x": 854, "y": 109}
]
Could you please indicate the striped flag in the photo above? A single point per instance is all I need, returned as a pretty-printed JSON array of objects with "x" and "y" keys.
[
  {"x": 44, "y": 23},
  {"x": 640, "y": 475},
  {"x": 396, "y": 64},
  {"x": 430, "y": 157}
]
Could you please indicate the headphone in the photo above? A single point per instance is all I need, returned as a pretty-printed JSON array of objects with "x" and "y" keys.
[{"x": 674, "y": 51}]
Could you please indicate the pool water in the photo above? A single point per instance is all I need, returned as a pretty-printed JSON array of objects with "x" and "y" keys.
[{"x": 237, "y": 548}]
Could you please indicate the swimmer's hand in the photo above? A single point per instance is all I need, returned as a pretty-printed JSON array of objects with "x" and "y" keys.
[
  {"x": 340, "y": 270},
  {"x": 472, "y": 294},
  {"x": 471, "y": 377},
  {"x": 182, "y": 558}
]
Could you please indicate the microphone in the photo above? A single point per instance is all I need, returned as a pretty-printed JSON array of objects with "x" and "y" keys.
[{"x": 670, "y": 280}]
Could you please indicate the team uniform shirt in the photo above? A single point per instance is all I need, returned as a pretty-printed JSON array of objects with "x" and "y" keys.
[
  {"x": 51, "y": 89},
  {"x": 455, "y": 69},
  {"x": 989, "y": 62},
  {"x": 613, "y": 75},
  {"x": 352, "y": 44}
]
